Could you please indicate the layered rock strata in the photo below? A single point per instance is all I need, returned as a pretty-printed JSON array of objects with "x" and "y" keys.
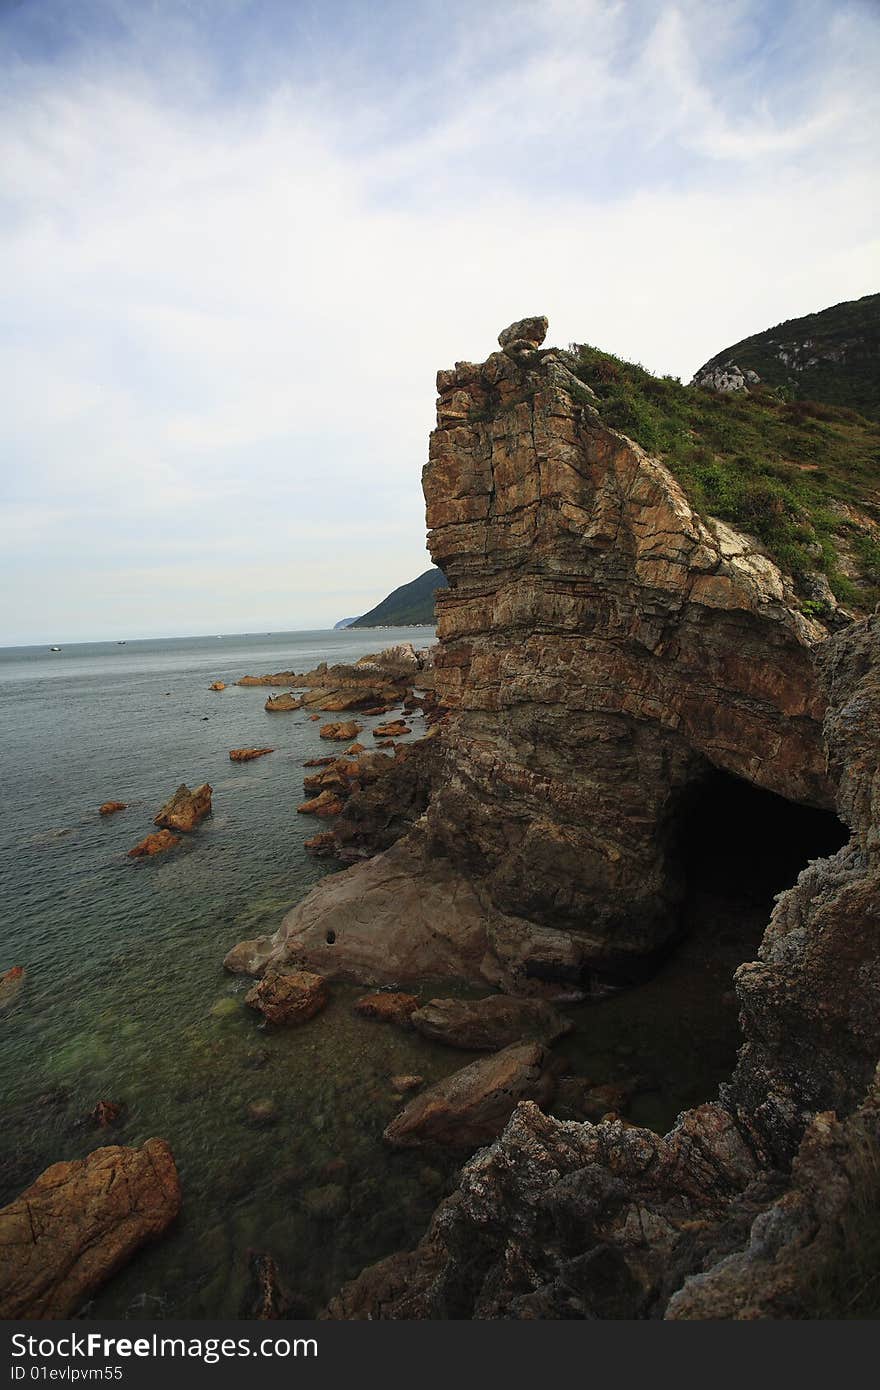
[{"x": 601, "y": 649}]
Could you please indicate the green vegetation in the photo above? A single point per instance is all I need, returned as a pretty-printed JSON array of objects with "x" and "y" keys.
[
  {"x": 832, "y": 356},
  {"x": 802, "y": 477},
  {"x": 410, "y": 604}
]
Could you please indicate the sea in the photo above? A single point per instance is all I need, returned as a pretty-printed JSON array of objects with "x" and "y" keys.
[{"x": 277, "y": 1134}]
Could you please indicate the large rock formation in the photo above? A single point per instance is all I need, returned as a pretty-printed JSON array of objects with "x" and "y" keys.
[
  {"x": 602, "y": 649},
  {"x": 79, "y": 1223},
  {"x": 761, "y": 1204}
]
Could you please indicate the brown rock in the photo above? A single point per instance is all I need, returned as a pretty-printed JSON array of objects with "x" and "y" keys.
[
  {"x": 246, "y": 755},
  {"x": 288, "y": 998},
  {"x": 79, "y": 1223},
  {"x": 185, "y": 810},
  {"x": 396, "y": 729},
  {"x": 217, "y": 685},
  {"x": 325, "y": 804},
  {"x": 313, "y": 717},
  {"x": 280, "y": 704},
  {"x": 107, "y": 1113},
  {"x": 472, "y": 1106},
  {"x": 354, "y": 748},
  {"x": 320, "y": 762},
  {"x": 388, "y": 1006},
  {"x": 489, "y": 1024},
  {"x": 340, "y": 732},
  {"x": 156, "y": 843},
  {"x": 11, "y": 983},
  {"x": 280, "y": 678},
  {"x": 322, "y": 845},
  {"x": 109, "y": 808},
  {"x": 531, "y": 331},
  {"x": 588, "y": 1101},
  {"x": 406, "y": 1083}
]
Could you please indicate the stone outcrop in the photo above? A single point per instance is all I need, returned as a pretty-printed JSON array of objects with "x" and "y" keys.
[
  {"x": 282, "y": 704},
  {"x": 471, "y": 1106},
  {"x": 602, "y": 648},
  {"x": 728, "y": 377},
  {"x": 186, "y": 809},
  {"x": 79, "y": 1223},
  {"x": 753, "y": 1204},
  {"x": 291, "y": 997},
  {"x": 247, "y": 755},
  {"x": 156, "y": 843},
  {"x": 485, "y": 1025}
]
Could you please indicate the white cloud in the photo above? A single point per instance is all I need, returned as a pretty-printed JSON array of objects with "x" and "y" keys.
[{"x": 224, "y": 320}]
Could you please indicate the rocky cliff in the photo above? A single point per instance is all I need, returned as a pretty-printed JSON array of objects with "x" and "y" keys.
[{"x": 602, "y": 649}]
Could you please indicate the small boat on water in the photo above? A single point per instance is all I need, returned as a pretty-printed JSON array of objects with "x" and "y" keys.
[{"x": 54, "y": 649}]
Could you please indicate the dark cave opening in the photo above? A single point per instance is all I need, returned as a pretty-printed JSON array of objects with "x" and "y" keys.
[{"x": 742, "y": 845}]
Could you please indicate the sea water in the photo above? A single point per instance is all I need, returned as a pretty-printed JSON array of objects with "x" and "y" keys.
[{"x": 126, "y": 1000}]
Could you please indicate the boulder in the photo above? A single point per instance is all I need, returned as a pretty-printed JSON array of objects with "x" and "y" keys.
[
  {"x": 353, "y": 749},
  {"x": 325, "y": 804},
  {"x": 395, "y": 729},
  {"x": 341, "y": 732},
  {"x": 280, "y": 704},
  {"x": 485, "y": 1025},
  {"x": 156, "y": 843},
  {"x": 291, "y": 997},
  {"x": 471, "y": 1107},
  {"x": 109, "y": 808},
  {"x": 531, "y": 332},
  {"x": 388, "y": 1005},
  {"x": 79, "y": 1223},
  {"x": 185, "y": 810},
  {"x": 217, "y": 685},
  {"x": 247, "y": 755}
]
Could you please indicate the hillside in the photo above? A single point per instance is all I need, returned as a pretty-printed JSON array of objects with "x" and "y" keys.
[
  {"x": 411, "y": 604},
  {"x": 801, "y": 477},
  {"x": 831, "y": 356}
]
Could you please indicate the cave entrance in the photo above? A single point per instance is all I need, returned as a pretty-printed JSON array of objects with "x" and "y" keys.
[{"x": 739, "y": 845}]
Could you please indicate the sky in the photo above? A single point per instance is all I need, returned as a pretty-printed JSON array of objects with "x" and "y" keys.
[{"x": 239, "y": 237}]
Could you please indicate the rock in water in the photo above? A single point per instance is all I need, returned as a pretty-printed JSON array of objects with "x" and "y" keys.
[
  {"x": 279, "y": 704},
  {"x": 247, "y": 755},
  {"x": 347, "y": 730},
  {"x": 185, "y": 810},
  {"x": 485, "y": 1025},
  {"x": 156, "y": 843},
  {"x": 79, "y": 1223},
  {"x": 109, "y": 808},
  {"x": 217, "y": 685},
  {"x": 390, "y": 1006},
  {"x": 10, "y": 984},
  {"x": 472, "y": 1106},
  {"x": 288, "y": 998}
]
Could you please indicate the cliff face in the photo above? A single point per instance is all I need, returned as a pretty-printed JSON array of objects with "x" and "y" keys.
[
  {"x": 602, "y": 649},
  {"x": 762, "y": 1204}
]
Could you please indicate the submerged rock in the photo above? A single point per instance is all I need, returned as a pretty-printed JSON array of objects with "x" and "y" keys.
[
  {"x": 186, "y": 809},
  {"x": 288, "y": 998},
  {"x": 247, "y": 755},
  {"x": 156, "y": 843},
  {"x": 217, "y": 685},
  {"x": 390, "y": 1006},
  {"x": 11, "y": 983},
  {"x": 488, "y": 1024},
  {"x": 79, "y": 1223},
  {"x": 107, "y": 1113},
  {"x": 472, "y": 1106},
  {"x": 266, "y": 1297},
  {"x": 109, "y": 808}
]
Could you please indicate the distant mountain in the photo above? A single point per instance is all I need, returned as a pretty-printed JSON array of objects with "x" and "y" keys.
[
  {"x": 410, "y": 604},
  {"x": 832, "y": 356},
  {"x": 343, "y": 622}
]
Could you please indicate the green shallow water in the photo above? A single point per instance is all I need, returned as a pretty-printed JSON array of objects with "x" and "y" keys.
[{"x": 126, "y": 999}]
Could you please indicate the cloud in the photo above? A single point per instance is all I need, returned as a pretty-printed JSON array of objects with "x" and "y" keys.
[{"x": 233, "y": 271}]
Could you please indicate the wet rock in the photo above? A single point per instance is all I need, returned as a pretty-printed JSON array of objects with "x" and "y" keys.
[
  {"x": 488, "y": 1024},
  {"x": 321, "y": 846},
  {"x": 288, "y": 998},
  {"x": 326, "y": 1203},
  {"x": 247, "y": 755},
  {"x": 321, "y": 762},
  {"x": 262, "y": 1112},
  {"x": 217, "y": 685},
  {"x": 341, "y": 732},
  {"x": 11, "y": 983},
  {"x": 79, "y": 1223},
  {"x": 354, "y": 748},
  {"x": 156, "y": 843},
  {"x": 586, "y": 1100},
  {"x": 265, "y": 1297},
  {"x": 107, "y": 1113},
  {"x": 472, "y": 1106},
  {"x": 396, "y": 729},
  {"x": 186, "y": 809},
  {"x": 109, "y": 808},
  {"x": 281, "y": 704},
  {"x": 431, "y": 1179},
  {"x": 406, "y": 1083},
  {"x": 389, "y": 1006}
]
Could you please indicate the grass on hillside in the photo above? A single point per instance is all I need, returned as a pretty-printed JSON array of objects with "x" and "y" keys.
[{"x": 773, "y": 468}]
